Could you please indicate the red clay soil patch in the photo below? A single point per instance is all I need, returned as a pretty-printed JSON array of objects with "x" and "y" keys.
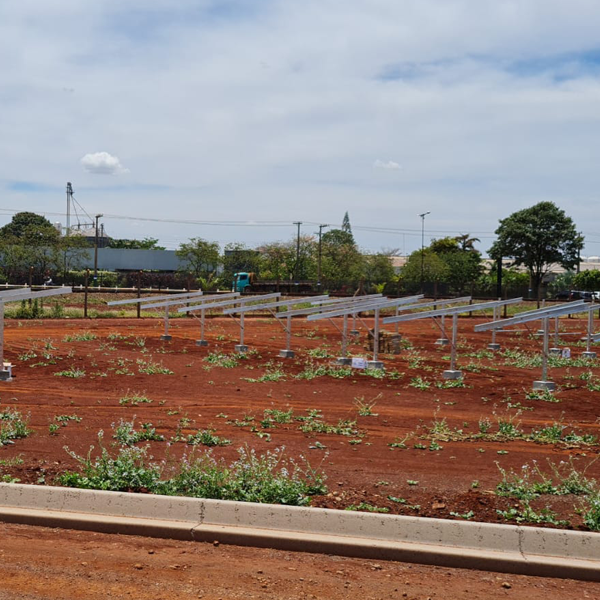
[
  {"x": 388, "y": 463},
  {"x": 37, "y": 563}
]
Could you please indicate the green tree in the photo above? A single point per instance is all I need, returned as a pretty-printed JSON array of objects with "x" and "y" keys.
[
  {"x": 147, "y": 243},
  {"x": 25, "y": 226},
  {"x": 587, "y": 280},
  {"x": 462, "y": 259},
  {"x": 378, "y": 268},
  {"x": 346, "y": 225},
  {"x": 28, "y": 244},
  {"x": 435, "y": 269},
  {"x": 238, "y": 258},
  {"x": 538, "y": 237},
  {"x": 277, "y": 261},
  {"x": 200, "y": 258},
  {"x": 342, "y": 260}
]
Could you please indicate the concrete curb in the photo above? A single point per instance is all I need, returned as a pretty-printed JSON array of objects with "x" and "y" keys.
[{"x": 491, "y": 547}]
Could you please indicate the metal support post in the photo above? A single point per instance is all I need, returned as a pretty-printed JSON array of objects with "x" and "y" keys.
[
  {"x": 544, "y": 384},
  {"x": 375, "y": 363},
  {"x": 354, "y": 331},
  {"x": 443, "y": 341},
  {"x": 452, "y": 372},
  {"x": 555, "y": 351},
  {"x": 202, "y": 341},
  {"x": 590, "y": 330},
  {"x": 343, "y": 359},
  {"x": 241, "y": 347},
  {"x": 166, "y": 335},
  {"x": 493, "y": 345},
  {"x": 5, "y": 369},
  {"x": 288, "y": 352}
]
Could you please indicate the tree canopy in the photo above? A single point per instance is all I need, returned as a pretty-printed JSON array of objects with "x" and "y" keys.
[
  {"x": 538, "y": 237},
  {"x": 201, "y": 258},
  {"x": 147, "y": 243}
]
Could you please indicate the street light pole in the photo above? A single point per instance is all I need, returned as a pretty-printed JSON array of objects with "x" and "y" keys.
[
  {"x": 96, "y": 249},
  {"x": 297, "y": 265},
  {"x": 321, "y": 227},
  {"x": 423, "y": 215}
]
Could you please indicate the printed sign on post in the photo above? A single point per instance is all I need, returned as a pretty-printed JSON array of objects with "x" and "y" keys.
[
  {"x": 566, "y": 352},
  {"x": 359, "y": 363}
]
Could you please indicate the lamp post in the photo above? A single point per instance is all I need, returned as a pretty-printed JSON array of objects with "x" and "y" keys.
[
  {"x": 297, "y": 265},
  {"x": 321, "y": 227},
  {"x": 96, "y": 249},
  {"x": 423, "y": 215}
]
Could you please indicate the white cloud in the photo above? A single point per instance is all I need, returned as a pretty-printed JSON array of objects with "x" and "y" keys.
[
  {"x": 102, "y": 163},
  {"x": 460, "y": 93},
  {"x": 389, "y": 164}
]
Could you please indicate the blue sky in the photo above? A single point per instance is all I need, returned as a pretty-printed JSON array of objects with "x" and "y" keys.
[{"x": 272, "y": 111}]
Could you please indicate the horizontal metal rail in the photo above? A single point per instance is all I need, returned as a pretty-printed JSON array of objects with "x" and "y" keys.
[
  {"x": 455, "y": 310},
  {"x": 365, "y": 307},
  {"x": 154, "y": 298},
  {"x": 238, "y": 300},
  {"x": 536, "y": 315},
  {"x": 278, "y": 304},
  {"x": 198, "y": 301}
]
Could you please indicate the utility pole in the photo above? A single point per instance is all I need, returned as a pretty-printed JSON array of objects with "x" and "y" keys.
[
  {"x": 321, "y": 227},
  {"x": 423, "y": 215},
  {"x": 297, "y": 265},
  {"x": 96, "y": 250},
  {"x": 69, "y": 198}
]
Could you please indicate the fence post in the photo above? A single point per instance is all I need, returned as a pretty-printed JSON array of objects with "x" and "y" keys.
[
  {"x": 139, "y": 294},
  {"x": 85, "y": 294}
]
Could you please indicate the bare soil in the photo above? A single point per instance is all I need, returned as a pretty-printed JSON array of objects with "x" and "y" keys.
[
  {"x": 37, "y": 563},
  {"x": 456, "y": 479}
]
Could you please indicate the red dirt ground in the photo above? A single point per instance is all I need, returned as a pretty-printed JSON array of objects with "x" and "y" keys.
[
  {"x": 359, "y": 469},
  {"x": 95, "y": 566},
  {"x": 37, "y": 563}
]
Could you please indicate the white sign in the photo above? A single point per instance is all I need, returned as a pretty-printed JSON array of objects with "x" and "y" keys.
[{"x": 359, "y": 363}]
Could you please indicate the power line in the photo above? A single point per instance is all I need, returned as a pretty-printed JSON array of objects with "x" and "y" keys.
[{"x": 592, "y": 237}]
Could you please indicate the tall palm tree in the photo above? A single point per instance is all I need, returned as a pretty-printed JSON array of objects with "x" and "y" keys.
[{"x": 465, "y": 242}]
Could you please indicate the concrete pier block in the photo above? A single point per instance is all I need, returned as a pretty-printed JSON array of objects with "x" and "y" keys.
[
  {"x": 451, "y": 374},
  {"x": 374, "y": 364},
  {"x": 544, "y": 385}
]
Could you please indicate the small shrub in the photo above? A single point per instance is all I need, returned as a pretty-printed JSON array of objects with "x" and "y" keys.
[
  {"x": 126, "y": 434},
  {"x": 207, "y": 437}
]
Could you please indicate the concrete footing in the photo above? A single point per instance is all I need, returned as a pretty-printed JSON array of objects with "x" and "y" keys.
[
  {"x": 464, "y": 544},
  {"x": 442, "y": 341},
  {"x": 286, "y": 354},
  {"x": 343, "y": 360},
  {"x": 544, "y": 385},
  {"x": 555, "y": 352},
  {"x": 166, "y": 338},
  {"x": 451, "y": 374},
  {"x": 375, "y": 364},
  {"x": 6, "y": 373},
  {"x": 589, "y": 355},
  {"x": 354, "y": 332},
  {"x": 241, "y": 348},
  {"x": 493, "y": 346},
  {"x": 201, "y": 343}
]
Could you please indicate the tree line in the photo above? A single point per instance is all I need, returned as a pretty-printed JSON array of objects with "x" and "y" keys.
[{"x": 533, "y": 240}]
